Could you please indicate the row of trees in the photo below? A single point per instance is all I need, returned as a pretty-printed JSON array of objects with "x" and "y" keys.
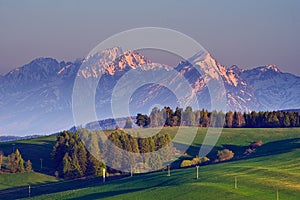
[
  {"x": 15, "y": 163},
  {"x": 203, "y": 118}
]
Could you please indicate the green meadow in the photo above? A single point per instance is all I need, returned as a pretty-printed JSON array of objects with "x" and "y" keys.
[{"x": 273, "y": 169}]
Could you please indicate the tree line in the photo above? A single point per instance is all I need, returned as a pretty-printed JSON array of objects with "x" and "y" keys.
[{"x": 203, "y": 118}]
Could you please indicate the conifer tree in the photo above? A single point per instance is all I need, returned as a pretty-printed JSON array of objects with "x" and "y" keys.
[
  {"x": 229, "y": 119},
  {"x": 286, "y": 121},
  {"x": 20, "y": 161}
]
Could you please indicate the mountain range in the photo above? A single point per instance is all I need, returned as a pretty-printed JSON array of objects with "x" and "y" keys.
[{"x": 37, "y": 97}]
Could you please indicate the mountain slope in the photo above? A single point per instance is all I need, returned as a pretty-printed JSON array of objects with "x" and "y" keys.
[
  {"x": 240, "y": 95},
  {"x": 274, "y": 90},
  {"x": 37, "y": 97}
]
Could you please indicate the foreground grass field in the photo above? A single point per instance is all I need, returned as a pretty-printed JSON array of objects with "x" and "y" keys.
[
  {"x": 274, "y": 166},
  {"x": 24, "y": 179},
  {"x": 258, "y": 178}
]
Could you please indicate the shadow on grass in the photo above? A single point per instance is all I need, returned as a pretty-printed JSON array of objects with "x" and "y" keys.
[
  {"x": 268, "y": 149},
  {"x": 50, "y": 187},
  {"x": 34, "y": 153},
  {"x": 277, "y": 147},
  {"x": 108, "y": 194},
  {"x": 153, "y": 182}
]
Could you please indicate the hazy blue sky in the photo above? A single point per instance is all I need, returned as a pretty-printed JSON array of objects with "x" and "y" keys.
[{"x": 246, "y": 33}]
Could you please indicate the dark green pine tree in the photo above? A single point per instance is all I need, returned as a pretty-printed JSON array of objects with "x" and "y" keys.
[
  {"x": 140, "y": 120},
  {"x": 293, "y": 119},
  {"x": 205, "y": 120},
  {"x": 114, "y": 151},
  {"x": 177, "y": 117},
  {"x": 286, "y": 121},
  {"x": 67, "y": 167},
  {"x": 94, "y": 166},
  {"x": 168, "y": 116},
  {"x": 229, "y": 119},
  {"x": 273, "y": 121}
]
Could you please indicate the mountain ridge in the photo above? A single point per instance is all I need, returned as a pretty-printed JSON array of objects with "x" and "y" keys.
[{"x": 34, "y": 95}]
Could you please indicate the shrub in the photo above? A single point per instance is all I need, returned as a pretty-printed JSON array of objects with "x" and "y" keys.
[
  {"x": 205, "y": 159},
  {"x": 195, "y": 161},
  {"x": 224, "y": 155},
  {"x": 186, "y": 163}
]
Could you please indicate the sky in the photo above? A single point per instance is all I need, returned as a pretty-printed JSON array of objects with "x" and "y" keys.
[{"x": 246, "y": 33}]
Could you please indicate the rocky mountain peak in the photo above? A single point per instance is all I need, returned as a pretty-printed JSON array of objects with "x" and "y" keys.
[
  {"x": 44, "y": 87},
  {"x": 36, "y": 70},
  {"x": 272, "y": 68},
  {"x": 112, "y": 61}
]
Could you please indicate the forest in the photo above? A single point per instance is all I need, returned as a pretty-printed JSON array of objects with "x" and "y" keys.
[
  {"x": 203, "y": 118},
  {"x": 83, "y": 153}
]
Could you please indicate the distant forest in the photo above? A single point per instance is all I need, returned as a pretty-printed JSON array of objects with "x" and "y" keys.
[{"x": 203, "y": 118}]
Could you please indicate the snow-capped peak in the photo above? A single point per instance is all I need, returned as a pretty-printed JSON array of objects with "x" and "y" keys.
[
  {"x": 43, "y": 88},
  {"x": 269, "y": 67},
  {"x": 113, "y": 60},
  {"x": 236, "y": 69}
]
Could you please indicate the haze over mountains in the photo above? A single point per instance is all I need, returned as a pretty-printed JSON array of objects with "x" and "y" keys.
[{"x": 37, "y": 97}]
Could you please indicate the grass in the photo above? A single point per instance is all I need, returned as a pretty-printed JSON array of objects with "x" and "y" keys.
[
  {"x": 24, "y": 179},
  {"x": 258, "y": 178},
  {"x": 274, "y": 166},
  {"x": 34, "y": 150}
]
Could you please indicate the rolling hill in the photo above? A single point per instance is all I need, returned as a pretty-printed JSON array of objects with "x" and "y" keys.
[{"x": 273, "y": 166}]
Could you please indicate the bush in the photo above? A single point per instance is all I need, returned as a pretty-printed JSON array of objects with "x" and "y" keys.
[
  {"x": 224, "y": 155},
  {"x": 195, "y": 161},
  {"x": 186, "y": 163}
]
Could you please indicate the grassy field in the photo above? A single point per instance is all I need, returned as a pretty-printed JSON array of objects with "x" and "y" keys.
[
  {"x": 24, "y": 179},
  {"x": 274, "y": 166},
  {"x": 257, "y": 178},
  {"x": 34, "y": 150}
]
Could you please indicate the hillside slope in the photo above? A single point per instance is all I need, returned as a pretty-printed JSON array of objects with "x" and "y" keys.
[
  {"x": 257, "y": 178},
  {"x": 274, "y": 165}
]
